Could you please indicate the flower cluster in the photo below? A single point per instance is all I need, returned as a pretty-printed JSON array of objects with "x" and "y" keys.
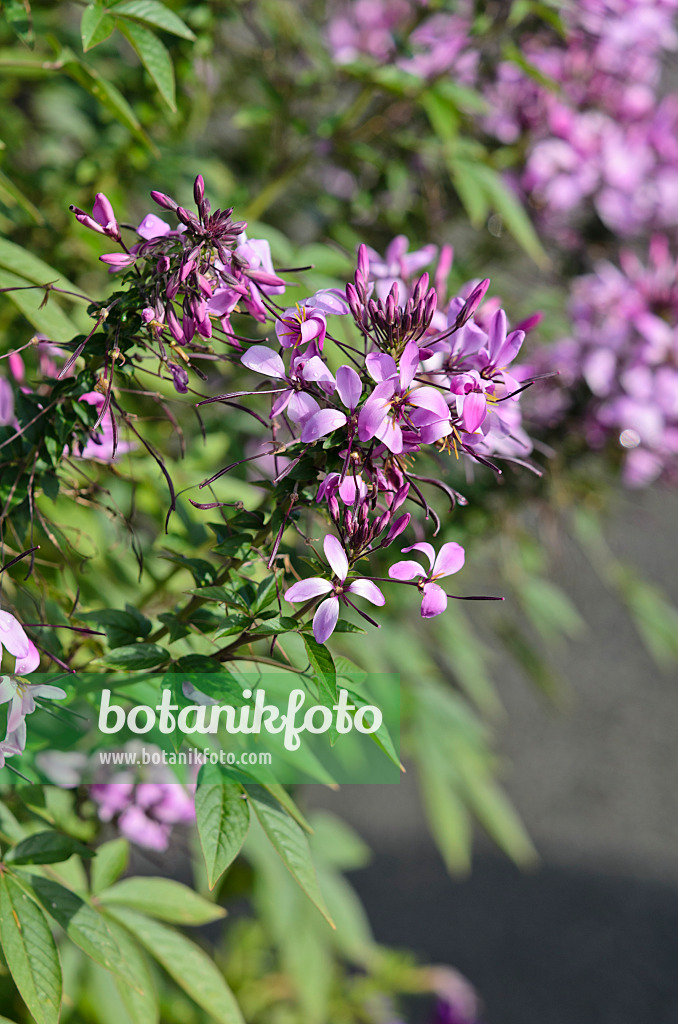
[
  {"x": 624, "y": 349},
  {"x": 436, "y": 42},
  {"x": 595, "y": 130},
  {"x": 144, "y": 811},
  {"x": 422, "y": 376}
]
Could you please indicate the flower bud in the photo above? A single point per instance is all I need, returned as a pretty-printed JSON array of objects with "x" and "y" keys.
[
  {"x": 162, "y": 200},
  {"x": 199, "y": 190}
]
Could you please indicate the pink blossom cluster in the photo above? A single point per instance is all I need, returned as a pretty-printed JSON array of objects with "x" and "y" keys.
[
  {"x": 624, "y": 350},
  {"x": 422, "y": 376},
  {"x": 433, "y": 42},
  {"x": 145, "y": 811},
  {"x": 596, "y": 132}
]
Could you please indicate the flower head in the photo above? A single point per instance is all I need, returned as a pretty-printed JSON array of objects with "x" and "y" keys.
[
  {"x": 327, "y": 613},
  {"x": 449, "y": 560}
]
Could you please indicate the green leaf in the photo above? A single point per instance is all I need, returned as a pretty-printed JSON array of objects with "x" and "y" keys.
[
  {"x": 155, "y": 58},
  {"x": 138, "y": 994},
  {"x": 290, "y": 843},
  {"x": 190, "y": 967},
  {"x": 110, "y": 862},
  {"x": 448, "y": 818},
  {"x": 96, "y": 25},
  {"x": 509, "y": 207},
  {"x": 223, "y": 819},
  {"x": 137, "y": 656},
  {"x": 30, "y": 952},
  {"x": 84, "y": 925},
  {"x": 105, "y": 93},
  {"x": 50, "y": 320},
  {"x": 496, "y": 814},
  {"x": 46, "y": 848},
  {"x": 151, "y": 12},
  {"x": 18, "y": 15},
  {"x": 472, "y": 195},
  {"x": 122, "y": 628},
  {"x": 322, "y": 665},
  {"x": 163, "y": 898},
  {"x": 11, "y": 195}
]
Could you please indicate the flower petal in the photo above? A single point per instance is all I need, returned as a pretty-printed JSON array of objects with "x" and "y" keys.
[
  {"x": 29, "y": 662},
  {"x": 367, "y": 589},
  {"x": 153, "y": 227},
  {"x": 336, "y": 556},
  {"x": 406, "y": 570},
  {"x": 434, "y": 601},
  {"x": 450, "y": 560},
  {"x": 497, "y": 333},
  {"x": 392, "y": 436},
  {"x": 474, "y": 411},
  {"x": 409, "y": 361},
  {"x": 325, "y": 619},
  {"x": 13, "y": 636},
  {"x": 301, "y": 407},
  {"x": 263, "y": 360},
  {"x": 381, "y": 366},
  {"x": 349, "y": 386},
  {"x": 322, "y": 423},
  {"x": 50, "y": 692},
  {"x": 424, "y": 547},
  {"x": 306, "y": 590}
]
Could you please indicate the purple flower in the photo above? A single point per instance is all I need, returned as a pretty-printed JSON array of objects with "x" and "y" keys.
[
  {"x": 302, "y": 325},
  {"x": 153, "y": 227},
  {"x": 449, "y": 560},
  {"x": 118, "y": 260},
  {"x": 327, "y": 613},
  {"x": 394, "y": 405},
  {"x": 101, "y": 443},
  {"x": 102, "y": 219},
  {"x": 21, "y": 696},
  {"x": 145, "y": 811},
  {"x": 294, "y": 399}
]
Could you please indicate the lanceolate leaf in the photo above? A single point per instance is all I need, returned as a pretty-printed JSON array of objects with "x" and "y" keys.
[
  {"x": 190, "y": 967},
  {"x": 290, "y": 843},
  {"x": 84, "y": 925},
  {"x": 19, "y": 261},
  {"x": 46, "y": 848},
  {"x": 95, "y": 26},
  {"x": 30, "y": 952},
  {"x": 50, "y": 320},
  {"x": 137, "y": 991},
  {"x": 110, "y": 862},
  {"x": 152, "y": 12},
  {"x": 223, "y": 819},
  {"x": 163, "y": 898},
  {"x": 105, "y": 92},
  {"x": 322, "y": 665},
  {"x": 155, "y": 58}
]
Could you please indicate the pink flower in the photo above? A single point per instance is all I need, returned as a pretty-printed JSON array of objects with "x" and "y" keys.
[
  {"x": 394, "y": 404},
  {"x": 101, "y": 442},
  {"x": 301, "y": 325},
  {"x": 327, "y": 613},
  {"x": 118, "y": 260},
  {"x": 21, "y": 697},
  {"x": 449, "y": 560},
  {"x": 294, "y": 397},
  {"x": 102, "y": 219}
]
